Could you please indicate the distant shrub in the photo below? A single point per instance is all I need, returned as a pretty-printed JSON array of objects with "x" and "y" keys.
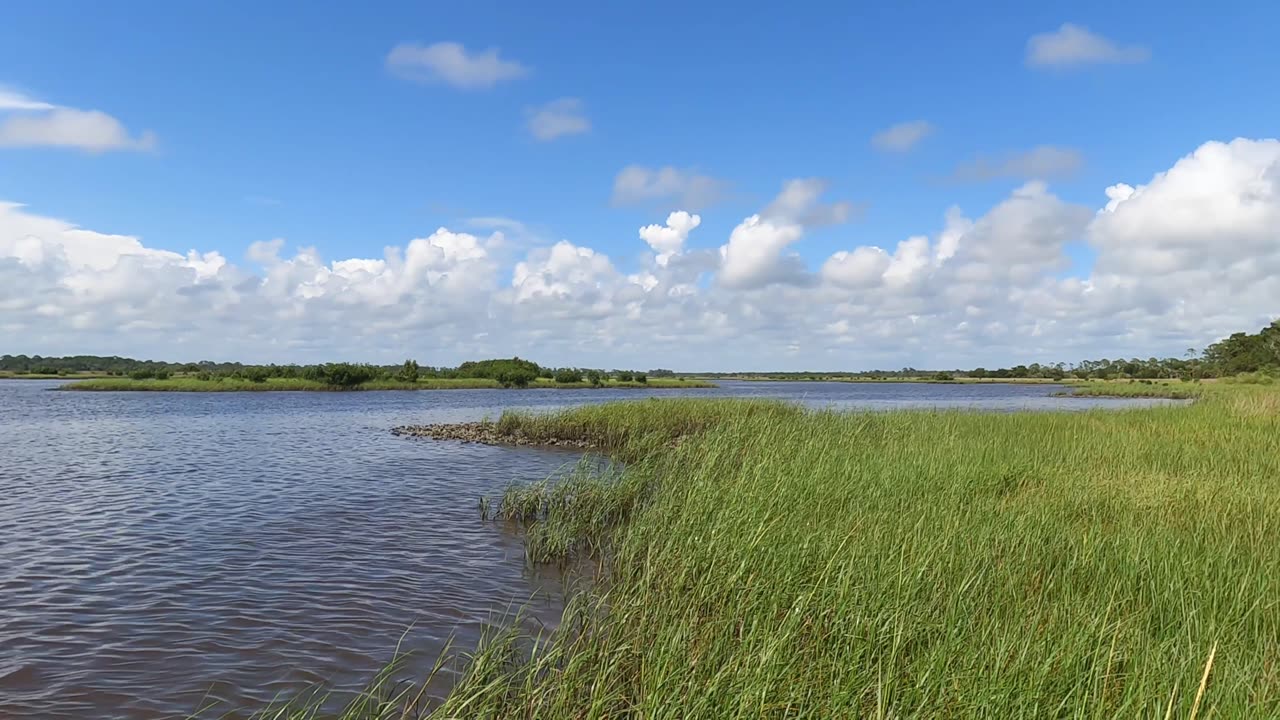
[
  {"x": 944, "y": 377},
  {"x": 516, "y": 377},
  {"x": 142, "y": 374},
  {"x": 343, "y": 375},
  {"x": 1251, "y": 378},
  {"x": 161, "y": 374},
  {"x": 624, "y": 376},
  {"x": 595, "y": 378},
  {"x": 641, "y": 378},
  {"x": 408, "y": 372},
  {"x": 568, "y": 375},
  {"x": 254, "y": 373},
  {"x": 493, "y": 368}
]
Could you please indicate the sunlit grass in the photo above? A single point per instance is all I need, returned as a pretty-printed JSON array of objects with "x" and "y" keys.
[{"x": 763, "y": 561}]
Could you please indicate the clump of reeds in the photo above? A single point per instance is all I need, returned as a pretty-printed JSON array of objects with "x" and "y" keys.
[{"x": 573, "y": 515}]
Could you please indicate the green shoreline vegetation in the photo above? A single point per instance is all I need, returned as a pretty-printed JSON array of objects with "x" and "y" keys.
[
  {"x": 123, "y": 374},
  {"x": 758, "y": 559},
  {"x": 1239, "y": 354},
  {"x": 194, "y": 384}
]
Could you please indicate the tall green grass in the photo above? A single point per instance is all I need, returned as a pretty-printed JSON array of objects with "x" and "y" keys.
[
  {"x": 762, "y": 561},
  {"x": 1174, "y": 390}
]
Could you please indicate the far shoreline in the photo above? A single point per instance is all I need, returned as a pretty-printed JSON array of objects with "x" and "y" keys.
[{"x": 183, "y": 384}]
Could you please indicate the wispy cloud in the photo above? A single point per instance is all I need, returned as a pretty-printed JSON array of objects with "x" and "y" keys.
[
  {"x": 11, "y": 99},
  {"x": 1044, "y": 162},
  {"x": 1073, "y": 45},
  {"x": 670, "y": 186},
  {"x": 495, "y": 223},
  {"x": 557, "y": 119},
  {"x": 452, "y": 64},
  {"x": 902, "y": 137}
]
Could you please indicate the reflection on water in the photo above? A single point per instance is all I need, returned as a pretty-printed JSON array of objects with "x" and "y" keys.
[{"x": 162, "y": 550}]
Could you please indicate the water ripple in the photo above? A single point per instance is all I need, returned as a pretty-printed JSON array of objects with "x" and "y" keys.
[{"x": 163, "y": 551}]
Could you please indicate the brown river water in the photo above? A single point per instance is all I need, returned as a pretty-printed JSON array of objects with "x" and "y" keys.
[{"x": 160, "y": 552}]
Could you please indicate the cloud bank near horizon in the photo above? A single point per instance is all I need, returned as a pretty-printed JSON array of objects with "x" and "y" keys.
[{"x": 1189, "y": 256}]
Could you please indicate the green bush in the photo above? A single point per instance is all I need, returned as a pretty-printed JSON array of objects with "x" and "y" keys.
[
  {"x": 408, "y": 372},
  {"x": 624, "y": 376},
  {"x": 595, "y": 378},
  {"x": 254, "y": 373},
  {"x": 342, "y": 375},
  {"x": 568, "y": 375},
  {"x": 493, "y": 368},
  {"x": 516, "y": 377},
  {"x": 142, "y": 374}
]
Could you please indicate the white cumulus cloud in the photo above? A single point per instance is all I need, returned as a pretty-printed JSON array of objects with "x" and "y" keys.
[
  {"x": 26, "y": 122},
  {"x": 1176, "y": 258},
  {"x": 668, "y": 240}
]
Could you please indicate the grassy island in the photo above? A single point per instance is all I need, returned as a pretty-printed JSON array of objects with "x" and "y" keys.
[{"x": 760, "y": 560}]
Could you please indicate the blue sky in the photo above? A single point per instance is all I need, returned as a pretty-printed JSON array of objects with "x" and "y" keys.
[{"x": 286, "y": 121}]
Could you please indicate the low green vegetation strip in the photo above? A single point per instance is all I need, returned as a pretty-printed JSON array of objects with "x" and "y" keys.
[
  {"x": 763, "y": 561},
  {"x": 229, "y": 384},
  {"x": 191, "y": 384},
  {"x": 1237, "y": 386}
]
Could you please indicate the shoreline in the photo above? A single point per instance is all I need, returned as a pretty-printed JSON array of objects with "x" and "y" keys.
[
  {"x": 299, "y": 385},
  {"x": 735, "y": 513},
  {"x": 484, "y": 432}
]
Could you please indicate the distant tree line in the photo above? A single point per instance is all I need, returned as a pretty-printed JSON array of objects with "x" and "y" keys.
[
  {"x": 509, "y": 372},
  {"x": 1241, "y": 352}
]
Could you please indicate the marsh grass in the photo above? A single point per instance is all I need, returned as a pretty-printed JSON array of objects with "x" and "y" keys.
[
  {"x": 574, "y": 516},
  {"x": 1166, "y": 389},
  {"x": 784, "y": 563}
]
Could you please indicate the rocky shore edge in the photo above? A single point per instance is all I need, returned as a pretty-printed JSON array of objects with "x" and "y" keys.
[{"x": 484, "y": 433}]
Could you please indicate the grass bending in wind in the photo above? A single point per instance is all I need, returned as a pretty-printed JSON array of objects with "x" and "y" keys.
[
  {"x": 763, "y": 561},
  {"x": 927, "y": 564}
]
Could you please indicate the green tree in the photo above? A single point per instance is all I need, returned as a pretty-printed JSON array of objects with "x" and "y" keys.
[
  {"x": 568, "y": 375},
  {"x": 408, "y": 372}
]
